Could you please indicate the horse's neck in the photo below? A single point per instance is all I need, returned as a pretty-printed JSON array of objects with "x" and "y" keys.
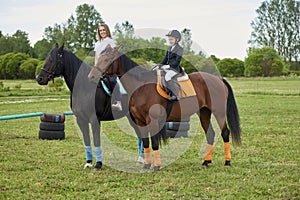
[
  {"x": 132, "y": 75},
  {"x": 71, "y": 67}
]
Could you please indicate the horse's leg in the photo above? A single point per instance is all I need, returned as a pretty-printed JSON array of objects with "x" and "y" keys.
[
  {"x": 155, "y": 141},
  {"x": 97, "y": 143},
  {"x": 205, "y": 115},
  {"x": 221, "y": 119},
  {"x": 225, "y": 135},
  {"x": 84, "y": 127},
  {"x": 146, "y": 144}
]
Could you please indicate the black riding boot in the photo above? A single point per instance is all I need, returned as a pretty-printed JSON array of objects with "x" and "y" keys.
[{"x": 174, "y": 87}]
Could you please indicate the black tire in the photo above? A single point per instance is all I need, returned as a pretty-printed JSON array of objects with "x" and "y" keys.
[
  {"x": 50, "y": 126},
  {"x": 181, "y": 126},
  {"x": 51, "y": 135},
  {"x": 55, "y": 118},
  {"x": 177, "y": 134}
]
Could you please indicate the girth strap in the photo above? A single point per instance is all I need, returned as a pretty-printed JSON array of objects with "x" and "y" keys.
[{"x": 169, "y": 108}]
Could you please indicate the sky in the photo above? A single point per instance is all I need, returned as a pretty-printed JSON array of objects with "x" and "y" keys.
[{"x": 221, "y": 28}]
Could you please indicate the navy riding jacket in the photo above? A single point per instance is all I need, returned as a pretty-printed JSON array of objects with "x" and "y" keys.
[{"x": 173, "y": 57}]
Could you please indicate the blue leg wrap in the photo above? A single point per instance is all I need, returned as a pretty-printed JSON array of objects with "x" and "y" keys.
[
  {"x": 98, "y": 152},
  {"x": 141, "y": 147},
  {"x": 88, "y": 153}
]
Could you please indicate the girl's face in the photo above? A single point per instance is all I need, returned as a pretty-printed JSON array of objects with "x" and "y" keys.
[
  {"x": 172, "y": 40},
  {"x": 102, "y": 32}
]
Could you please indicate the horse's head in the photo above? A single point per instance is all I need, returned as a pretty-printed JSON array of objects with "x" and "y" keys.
[
  {"x": 106, "y": 63},
  {"x": 53, "y": 66}
]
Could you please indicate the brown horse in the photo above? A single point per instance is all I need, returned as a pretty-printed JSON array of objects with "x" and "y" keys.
[{"x": 214, "y": 96}]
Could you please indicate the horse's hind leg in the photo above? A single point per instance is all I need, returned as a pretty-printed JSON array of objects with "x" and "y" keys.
[
  {"x": 225, "y": 135},
  {"x": 155, "y": 148},
  {"x": 205, "y": 115}
]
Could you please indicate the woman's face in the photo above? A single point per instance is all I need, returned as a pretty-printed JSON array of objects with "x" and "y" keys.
[
  {"x": 172, "y": 40},
  {"x": 102, "y": 31}
]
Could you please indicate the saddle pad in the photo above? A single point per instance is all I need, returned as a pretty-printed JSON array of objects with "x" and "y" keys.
[{"x": 186, "y": 86}]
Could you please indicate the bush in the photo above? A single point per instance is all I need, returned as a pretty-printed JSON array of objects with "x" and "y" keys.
[
  {"x": 58, "y": 83},
  {"x": 3, "y": 88},
  {"x": 263, "y": 62},
  {"x": 39, "y": 67},
  {"x": 28, "y": 68},
  {"x": 231, "y": 67}
]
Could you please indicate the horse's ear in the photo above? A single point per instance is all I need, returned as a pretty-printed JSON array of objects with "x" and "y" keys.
[
  {"x": 62, "y": 47},
  {"x": 56, "y": 45}
]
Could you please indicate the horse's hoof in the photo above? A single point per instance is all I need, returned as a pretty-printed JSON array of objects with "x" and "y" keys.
[
  {"x": 156, "y": 168},
  {"x": 206, "y": 162},
  {"x": 98, "y": 166},
  {"x": 147, "y": 166},
  {"x": 227, "y": 163}
]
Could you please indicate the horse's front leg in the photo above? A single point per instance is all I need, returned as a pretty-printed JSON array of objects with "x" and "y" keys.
[
  {"x": 97, "y": 143},
  {"x": 84, "y": 127}
]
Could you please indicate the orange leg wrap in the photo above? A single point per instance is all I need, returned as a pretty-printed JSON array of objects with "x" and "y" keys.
[
  {"x": 156, "y": 158},
  {"x": 147, "y": 156},
  {"x": 209, "y": 150},
  {"x": 227, "y": 151}
]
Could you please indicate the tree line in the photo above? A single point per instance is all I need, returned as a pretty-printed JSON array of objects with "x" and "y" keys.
[{"x": 274, "y": 44}]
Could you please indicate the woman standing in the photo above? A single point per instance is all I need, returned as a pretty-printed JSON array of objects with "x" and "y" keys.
[{"x": 104, "y": 39}]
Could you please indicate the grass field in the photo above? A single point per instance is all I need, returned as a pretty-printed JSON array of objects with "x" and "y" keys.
[{"x": 266, "y": 166}]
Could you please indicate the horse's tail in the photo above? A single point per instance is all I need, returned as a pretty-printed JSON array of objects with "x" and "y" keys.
[{"x": 232, "y": 113}]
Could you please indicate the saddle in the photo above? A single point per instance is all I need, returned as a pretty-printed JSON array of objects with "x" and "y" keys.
[{"x": 186, "y": 86}]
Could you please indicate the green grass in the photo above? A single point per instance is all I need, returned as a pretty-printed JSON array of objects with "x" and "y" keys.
[{"x": 266, "y": 166}]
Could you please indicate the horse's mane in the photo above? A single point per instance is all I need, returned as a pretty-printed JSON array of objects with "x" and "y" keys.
[
  {"x": 72, "y": 65},
  {"x": 135, "y": 70}
]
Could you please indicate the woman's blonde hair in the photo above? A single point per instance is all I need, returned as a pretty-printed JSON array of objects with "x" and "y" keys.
[{"x": 106, "y": 29}]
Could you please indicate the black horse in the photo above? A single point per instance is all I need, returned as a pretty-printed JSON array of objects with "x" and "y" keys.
[{"x": 90, "y": 102}]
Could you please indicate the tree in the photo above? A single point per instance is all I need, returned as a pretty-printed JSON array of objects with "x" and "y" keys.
[
  {"x": 231, "y": 67},
  {"x": 263, "y": 62},
  {"x": 79, "y": 32},
  {"x": 41, "y": 48},
  {"x": 57, "y": 34},
  {"x": 21, "y": 42},
  {"x": 125, "y": 29},
  {"x": 18, "y": 42},
  {"x": 82, "y": 28},
  {"x": 277, "y": 26},
  {"x": 186, "y": 40}
]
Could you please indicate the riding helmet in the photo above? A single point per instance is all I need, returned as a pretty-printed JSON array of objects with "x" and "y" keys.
[{"x": 175, "y": 34}]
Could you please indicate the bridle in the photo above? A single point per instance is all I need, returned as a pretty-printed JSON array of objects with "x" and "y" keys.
[{"x": 51, "y": 71}]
